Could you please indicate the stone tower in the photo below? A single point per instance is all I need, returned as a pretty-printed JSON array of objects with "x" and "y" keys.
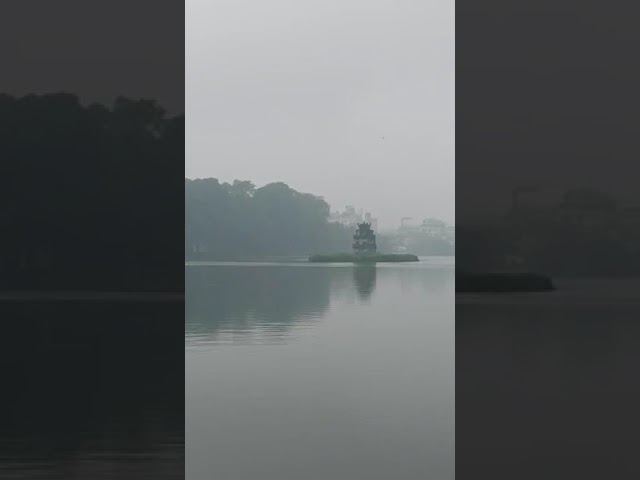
[{"x": 364, "y": 240}]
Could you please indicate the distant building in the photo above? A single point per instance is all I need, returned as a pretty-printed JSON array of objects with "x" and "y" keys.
[
  {"x": 348, "y": 218},
  {"x": 373, "y": 221},
  {"x": 351, "y": 218},
  {"x": 585, "y": 217},
  {"x": 364, "y": 240},
  {"x": 451, "y": 234},
  {"x": 434, "y": 228},
  {"x": 405, "y": 223}
]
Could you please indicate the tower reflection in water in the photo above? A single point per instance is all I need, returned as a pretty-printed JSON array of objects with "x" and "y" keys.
[{"x": 364, "y": 278}]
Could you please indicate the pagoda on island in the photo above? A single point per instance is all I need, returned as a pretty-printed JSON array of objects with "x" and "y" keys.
[{"x": 364, "y": 241}]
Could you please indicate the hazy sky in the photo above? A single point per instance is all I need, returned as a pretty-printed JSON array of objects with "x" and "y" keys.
[
  {"x": 304, "y": 92},
  {"x": 546, "y": 108},
  {"x": 96, "y": 50}
]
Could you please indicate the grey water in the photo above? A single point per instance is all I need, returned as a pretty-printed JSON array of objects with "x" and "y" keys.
[
  {"x": 548, "y": 379},
  {"x": 306, "y": 371},
  {"x": 92, "y": 386}
]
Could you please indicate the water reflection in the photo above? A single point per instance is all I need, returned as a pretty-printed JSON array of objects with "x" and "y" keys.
[
  {"x": 318, "y": 372},
  {"x": 242, "y": 303},
  {"x": 525, "y": 369},
  {"x": 364, "y": 278},
  {"x": 92, "y": 390},
  {"x": 432, "y": 281},
  {"x": 226, "y": 303}
]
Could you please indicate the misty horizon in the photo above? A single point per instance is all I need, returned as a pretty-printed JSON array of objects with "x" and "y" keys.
[
  {"x": 336, "y": 208},
  {"x": 292, "y": 93}
]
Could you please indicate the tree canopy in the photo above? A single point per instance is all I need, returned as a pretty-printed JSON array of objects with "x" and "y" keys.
[
  {"x": 90, "y": 196},
  {"x": 238, "y": 220}
]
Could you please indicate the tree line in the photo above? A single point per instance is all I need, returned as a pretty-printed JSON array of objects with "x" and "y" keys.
[
  {"x": 237, "y": 220},
  {"x": 91, "y": 196},
  {"x": 588, "y": 233}
]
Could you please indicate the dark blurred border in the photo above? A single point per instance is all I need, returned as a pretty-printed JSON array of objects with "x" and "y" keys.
[
  {"x": 546, "y": 183},
  {"x": 92, "y": 242},
  {"x": 92, "y": 120}
]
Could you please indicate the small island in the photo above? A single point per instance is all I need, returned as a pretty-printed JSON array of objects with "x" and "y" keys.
[{"x": 364, "y": 251}]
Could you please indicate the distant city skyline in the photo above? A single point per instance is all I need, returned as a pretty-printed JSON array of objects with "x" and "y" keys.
[{"x": 389, "y": 223}]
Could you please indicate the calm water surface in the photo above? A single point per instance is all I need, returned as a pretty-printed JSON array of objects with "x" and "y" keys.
[
  {"x": 547, "y": 383},
  {"x": 92, "y": 387},
  {"x": 299, "y": 371}
]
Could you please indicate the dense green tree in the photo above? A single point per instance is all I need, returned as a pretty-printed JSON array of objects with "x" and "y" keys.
[
  {"x": 238, "y": 220},
  {"x": 90, "y": 196},
  {"x": 585, "y": 234}
]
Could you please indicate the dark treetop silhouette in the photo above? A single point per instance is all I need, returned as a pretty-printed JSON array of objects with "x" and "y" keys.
[
  {"x": 586, "y": 233},
  {"x": 238, "y": 221},
  {"x": 91, "y": 197}
]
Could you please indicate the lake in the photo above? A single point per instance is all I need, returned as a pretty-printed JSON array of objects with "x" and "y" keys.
[
  {"x": 547, "y": 383},
  {"x": 308, "y": 371},
  {"x": 92, "y": 386}
]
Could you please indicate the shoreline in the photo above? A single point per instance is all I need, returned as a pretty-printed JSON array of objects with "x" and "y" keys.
[
  {"x": 89, "y": 296},
  {"x": 366, "y": 259},
  {"x": 491, "y": 282}
]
